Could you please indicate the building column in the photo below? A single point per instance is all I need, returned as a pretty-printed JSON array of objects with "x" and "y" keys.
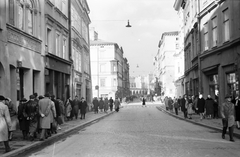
[{"x": 28, "y": 83}]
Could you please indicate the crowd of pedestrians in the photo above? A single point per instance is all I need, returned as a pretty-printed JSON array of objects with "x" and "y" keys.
[
  {"x": 104, "y": 104},
  {"x": 208, "y": 108},
  {"x": 37, "y": 118}
]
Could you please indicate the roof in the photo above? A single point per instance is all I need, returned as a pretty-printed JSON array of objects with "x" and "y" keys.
[{"x": 101, "y": 42}]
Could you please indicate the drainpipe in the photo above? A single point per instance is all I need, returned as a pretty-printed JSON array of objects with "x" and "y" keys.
[
  {"x": 199, "y": 51},
  {"x": 70, "y": 46}
]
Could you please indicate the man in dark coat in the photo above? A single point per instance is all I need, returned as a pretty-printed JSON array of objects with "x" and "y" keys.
[
  {"x": 32, "y": 116},
  {"x": 183, "y": 105},
  {"x": 22, "y": 117},
  {"x": 111, "y": 103},
  {"x": 95, "y": 105},
  {"x": 76, "y": 106},
  {"x": 201, "y": 106},
  {"x": 83, "y": 108},
  {"x": 101, "y": 104}
]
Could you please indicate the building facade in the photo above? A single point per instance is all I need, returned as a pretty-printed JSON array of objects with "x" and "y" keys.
[
  {"x": 21, "y": 56},
  {"x": 165, "y": 73},
  {"x": 211, "y": 47},
  {"x": 109, "y": 69},
  {"x": 81, "y": 71},
  {"x": 35, "y": 52}
]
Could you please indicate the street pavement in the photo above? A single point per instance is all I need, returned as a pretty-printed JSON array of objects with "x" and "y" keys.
[
  {"x": 19, "y": 146},
  {"x": 138, "y": 131}
]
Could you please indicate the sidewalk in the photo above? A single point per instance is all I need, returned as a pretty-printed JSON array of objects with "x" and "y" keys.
[
  {"x": 215, "y": 124},
  {"x": 18, "y": 145}
]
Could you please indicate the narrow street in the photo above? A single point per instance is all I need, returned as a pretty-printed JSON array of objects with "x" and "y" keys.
[{"x": 142, "y": 131}]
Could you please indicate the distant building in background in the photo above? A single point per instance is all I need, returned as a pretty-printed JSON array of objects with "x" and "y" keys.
[
  {"x": 179, "y": 55},
  {"x": 110, "y": 70},
  {"x": 142, "y": 85},
  {"x": 165, "y": 62}
]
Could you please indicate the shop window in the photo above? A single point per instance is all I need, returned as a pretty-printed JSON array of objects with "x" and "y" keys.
[
  {"x": 213, "y": 85},
  {"x": 232, "y": 84}
]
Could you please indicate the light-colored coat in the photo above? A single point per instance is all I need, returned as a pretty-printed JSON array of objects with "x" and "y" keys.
[
  {"x": 228, "y": 113},
  {"x": 45, "y": 107},
  {"x": 5, "y": 122}
]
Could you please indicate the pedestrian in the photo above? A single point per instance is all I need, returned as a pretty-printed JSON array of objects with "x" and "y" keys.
[
  {"x": 179, "y": 102},
  {"x": 117, "y": 104},
  {"x": 111, "y": 103},
  {"x": 106, "y": 105},
  {"x": 189, "y": 106},
  {"x": 170, "y": 104},
  {"x": 68, "y": 109},
  {"x": 62, "y": 109},
  {"x": 45, "y": 107},
  {"x": 209, "y": 105},
  {"x": 201, "y": 106},
  {"x": 76, "y": 106},
  {"x": 237, "y": 112},
  {"x": 166, "y": 103},
  {"x": 101, "y": 104},
  {"x": 22, "y": 118},
  {"x": 176, "y": 106},
  {"x": 5, "y": 123},
  {"x": 95, "y": 105},
  {"x": 183, "y": 105},
  {"x": 143, "y": 102},
  {"x": 32, "y": 112},
  {"x": 228, "y": 117},
  {"x": 215, "y": 107},
  {"x": 13, "y": 116},
  {"x": 53, "y": 115},
  {"x": 195, "y": 101},
  {"x": 83, "y": 108}
]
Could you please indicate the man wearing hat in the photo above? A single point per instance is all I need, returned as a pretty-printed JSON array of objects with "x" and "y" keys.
[
  {"x": 5, "y": 123},
  {"x": 228, "y": 117}
]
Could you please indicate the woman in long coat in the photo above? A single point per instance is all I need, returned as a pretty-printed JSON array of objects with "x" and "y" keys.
[
  {"x": 68, "y": 109},
  {"x": 5, "y": 123},
  {"x": 201, "y": 106},
  {"x": 83, "y": 108},
  {"x": 13, "y": 116},
  {"x": 189, "y": 106},
  {"x": 22, "y": 117},
  {"x": 209, "y": 107},
  {"x": 106, "y": 106}
]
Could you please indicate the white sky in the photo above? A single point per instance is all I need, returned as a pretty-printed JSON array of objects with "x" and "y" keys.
[{"x": 149, "y": 19}]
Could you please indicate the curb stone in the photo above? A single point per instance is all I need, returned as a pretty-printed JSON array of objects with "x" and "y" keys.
[
  {"x": 51, "y": 139},
  {"x": 237, "y": 135}
]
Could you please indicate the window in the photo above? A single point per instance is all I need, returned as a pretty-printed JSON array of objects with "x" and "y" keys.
[
  {"x": 57, "y": 48},
  {"x": 102, "y": 82},
  {"x": 206, "y": 36},
  {"x": 226, "y": 25},
  {"x": 102, "y": 67},
  {"x": 48, "y": 40},
  {"x": 214, "y": 31},
  {"x": 114, "y": 67},
  {"x": 114, "y": 82},
  {"x": 232, "y": 84},
  {"x": 29, "y": 17},
  {"x": 25, "y": 15},
  {"x": 64, "y": 48}
]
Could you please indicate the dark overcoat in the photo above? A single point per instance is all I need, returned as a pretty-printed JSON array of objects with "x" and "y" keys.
[
  {"x": 83, "y": 107},
  {"x": 209, "y": 106},
  {"x": 22, "y": 117},
  {"x": 201, "y": 105}
]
